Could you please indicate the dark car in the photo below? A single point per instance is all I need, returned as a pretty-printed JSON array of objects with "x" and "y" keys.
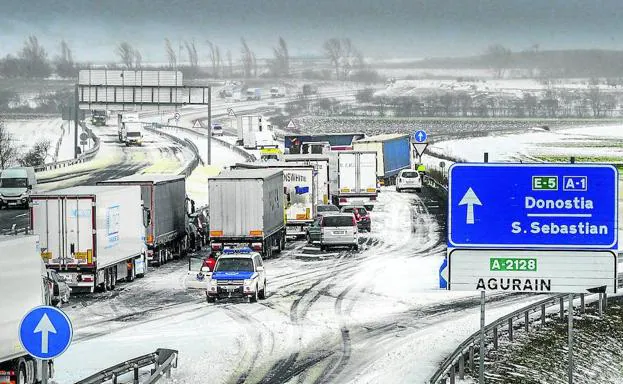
[{"x": 362, "y": 216}]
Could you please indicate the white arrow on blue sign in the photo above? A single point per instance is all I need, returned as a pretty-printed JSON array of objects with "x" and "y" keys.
[
  {"x": 547, "y": 206},
  {"x": 45, "y": 332},
  {"x": 420, "y": 136}
]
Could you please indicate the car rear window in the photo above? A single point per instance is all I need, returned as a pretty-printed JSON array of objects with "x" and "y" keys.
[
  {"x": 409, "y": 174},
  {"x": 337, "y": 221},
  {"x": 328, "y": 208}
]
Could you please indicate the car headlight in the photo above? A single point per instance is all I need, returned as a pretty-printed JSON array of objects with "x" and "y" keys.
[{"x": 248, "y": 281}]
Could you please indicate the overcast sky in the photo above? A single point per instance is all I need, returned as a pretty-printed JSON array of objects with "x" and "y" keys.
[{"x": 380, "y": 28}]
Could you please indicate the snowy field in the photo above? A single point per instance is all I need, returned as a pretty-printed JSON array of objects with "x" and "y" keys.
[{"x": 29, "y": 132}]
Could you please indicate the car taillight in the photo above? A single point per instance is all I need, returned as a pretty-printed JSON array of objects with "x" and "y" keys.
[
  {"x": 87, "y": 279},
  {"x": 216, "y": 246},
  {"x": 256, "y": 246},
  {"x": 372, "y": 198},
  {"x": 343, "y": 200}
]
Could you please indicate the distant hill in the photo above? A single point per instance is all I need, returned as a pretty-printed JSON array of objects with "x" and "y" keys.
[{"x": 561, "y": 63}]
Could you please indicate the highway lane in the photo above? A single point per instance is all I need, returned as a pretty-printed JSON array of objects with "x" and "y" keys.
[{"x": 114, "y": 160}]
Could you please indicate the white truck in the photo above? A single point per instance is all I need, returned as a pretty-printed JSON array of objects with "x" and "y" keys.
[
  {"x": 123, "y": 118},
  {"x": 24, "y": 286},
  {"x": 357, "y": 182},
  {"x": 255, "y": 132},
  {"x": 133, "y": 133},
  {"x": 93, "y": 236},
  {"x": 299, "y": 183},
  {"x": 322, "y": 165},
  {"x": 277, "y": 92},
  {"x": 253, "y": 94},
  {"x": 247, "y": 209},
  {"x": 16, "y": 185}
]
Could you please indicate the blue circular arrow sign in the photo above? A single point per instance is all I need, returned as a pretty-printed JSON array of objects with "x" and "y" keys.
[
  {"x": 45, "y": 332},
  {"x": 420, "y": 136}
]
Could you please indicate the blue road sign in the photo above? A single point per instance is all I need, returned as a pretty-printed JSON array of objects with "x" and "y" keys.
[
  {"x": 45, "y": 332},
  {"x": 443, "y": 274},
  {"x": 570, "y": 206},
  {"x": 420, "y": 136}
]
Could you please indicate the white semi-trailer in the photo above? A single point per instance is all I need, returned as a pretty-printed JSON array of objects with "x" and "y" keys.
[
  {"x": 357, "y": 182},
  {"x": 247, "y": 209},
  {"x": 24, "y": 285},
  {"x": 93, "y": 236}
]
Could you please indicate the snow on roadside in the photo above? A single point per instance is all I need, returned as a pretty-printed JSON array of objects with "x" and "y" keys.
[{"x": 29, "y": 132}]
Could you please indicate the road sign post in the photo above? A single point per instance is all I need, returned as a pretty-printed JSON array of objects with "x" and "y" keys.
[
  {"x": 45, "y": 333},
  {"x": 532, "y": 228}
]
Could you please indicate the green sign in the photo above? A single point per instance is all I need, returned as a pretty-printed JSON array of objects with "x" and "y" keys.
[
  {"x": 504, "y": 264},
  {"x": 544, "y": 183}
]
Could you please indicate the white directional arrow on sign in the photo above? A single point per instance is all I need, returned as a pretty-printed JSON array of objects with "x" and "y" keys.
[
  {"x": 44, "y": 327},
  {"x": 470, "y": 199}
]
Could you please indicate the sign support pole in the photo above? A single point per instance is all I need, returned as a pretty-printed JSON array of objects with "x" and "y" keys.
[
  {"x": 481, "y": 371},
  {"x": 44, "y": 372},
  {"x": 209, "y": 154},
  {"x": 76, "y": 122},
  {"x": 570, "y": 317}
]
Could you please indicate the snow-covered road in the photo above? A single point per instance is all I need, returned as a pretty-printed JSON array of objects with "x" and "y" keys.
[{"x": 329, "y": 319}]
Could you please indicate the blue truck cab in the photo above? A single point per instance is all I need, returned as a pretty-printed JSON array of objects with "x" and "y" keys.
[{"x": 238, "y": 273}]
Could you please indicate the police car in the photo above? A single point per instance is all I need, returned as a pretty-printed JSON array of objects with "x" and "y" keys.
[{"x": 239, "y": 273}]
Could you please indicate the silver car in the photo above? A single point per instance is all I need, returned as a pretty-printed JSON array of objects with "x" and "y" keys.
[{"x": 338, "y": 229}]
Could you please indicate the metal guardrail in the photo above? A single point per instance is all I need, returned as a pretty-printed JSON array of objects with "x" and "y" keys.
[
  {"x": 248, "y": 156},
  {"x": 162, "y": 360},
  {"x": 185, "y": 143},
  {"x": 86, "y": 156},
  {"x": 465, "y": 353}
]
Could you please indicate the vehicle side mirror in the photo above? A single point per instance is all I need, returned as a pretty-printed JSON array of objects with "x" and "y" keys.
[{"x": 260, "y": 269}]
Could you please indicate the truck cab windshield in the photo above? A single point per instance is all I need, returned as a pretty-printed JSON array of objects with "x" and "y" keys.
[
  {"x": 13, "y": 183},
  {"x": 234, "y": 265}
]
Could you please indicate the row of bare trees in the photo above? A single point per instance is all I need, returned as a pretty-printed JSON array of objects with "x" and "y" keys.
[
  {"x": 32, "y": 61},
  {"x": 551, "y": 104}
]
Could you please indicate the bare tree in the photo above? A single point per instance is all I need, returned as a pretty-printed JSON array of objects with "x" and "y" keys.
[
  {"x": 213, "y": 57},
  {"x": 8, "y": 149},
  {"x": 34, "y": 59},
  {"x": 246, "y": 58},
  {"x": 333, "y": 51},
  {"x": 499, "y": 58},
  {"x": 193, "y": 57},
  {"x": 280, "y": 64},
  {"x": 219, "y": 62},
  {"x": 126, "y": 53},
  {"x": 230, "y": 63},
  {"x": 37, "y": 155},
  {"x": 171, "y": 56},
  {"x": 64, "y": 62},
  {"x": 254, "y": 64},
  {"x": 138, "y": 59}
]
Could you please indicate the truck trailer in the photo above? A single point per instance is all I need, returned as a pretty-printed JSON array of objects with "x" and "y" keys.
[
  {"x": 254, "y": 132},
  {"x": 165, "y": 197},
  {"x": 299, "y": 183},
  {"x": 337, "y": 141},
  {"x": 24, "y": 286},
  {"x": 247, "y": 209},
  {"x": 323, "y": 168},
  {"x": 92, "y": 235},
  {"x": 393, "y": 154},
  {"x": 356, "y": 178}
]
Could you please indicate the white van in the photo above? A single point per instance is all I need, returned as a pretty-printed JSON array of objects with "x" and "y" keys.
[{"x": 16, "y": 185}]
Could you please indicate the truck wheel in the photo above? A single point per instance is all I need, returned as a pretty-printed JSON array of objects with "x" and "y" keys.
[
  {"x": 21, "y": 376},
  {"x": 262, "y": 294},
  {"x": 113, "y": 278},
  {"x": 106, "y": 280}
]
